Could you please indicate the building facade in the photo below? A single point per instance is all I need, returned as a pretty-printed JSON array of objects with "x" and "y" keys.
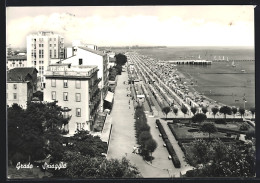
[
  {"x": 75, "y": 89},
  {"x": 85, "y": 56},
  {"x": 44, "y": 48},
  {"x": 21, "y": 84},
  {"x": 16, "y": 61}
]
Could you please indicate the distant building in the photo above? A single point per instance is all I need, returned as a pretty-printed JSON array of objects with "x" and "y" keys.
[
  {"x": 43, "y": 49},
  {"x": 21, "y": 84},
  {"x": 16, "y": 61},
  {"x": 75, "y": 88},
  {"x": 85, "y": 56}
]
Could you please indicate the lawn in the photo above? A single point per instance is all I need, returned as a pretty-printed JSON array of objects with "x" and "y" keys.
[{"x": 185, "y": 132}]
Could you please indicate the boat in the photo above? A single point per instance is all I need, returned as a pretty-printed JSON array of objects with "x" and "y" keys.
[
  {"x": 233, "y": 64},
  {"x": 243, "y": 71}
]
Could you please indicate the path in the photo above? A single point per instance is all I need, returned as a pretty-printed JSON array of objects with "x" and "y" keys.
[{"x": 123, "y": 137}]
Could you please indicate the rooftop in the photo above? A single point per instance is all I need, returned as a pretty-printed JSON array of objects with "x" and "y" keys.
[
  {"x": 20, "y": 73},
  {"x": 17, "y": 57},
  {"x": 92, "y": 51},
  {"x": 66, "y": 70}
]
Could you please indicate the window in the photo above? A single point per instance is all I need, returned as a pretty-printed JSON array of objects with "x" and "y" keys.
[
  {"x": 41, "y": 53},
  {"x": 15, "y": 96},
  {"x": 82, "y": 125},
  {"x": 53, "y": 82},
  {"x": 65, "y": 96},
  {"x": 78, "y": 112},
  {"x": 54, "y": 39},
  {"x": 15, "y": 86},
  {"x": 53, "y": 95},
  {"x": 78, "y": 97},
  {"x": 80, "y": 61},
  {"x": 50, "y": 45},
  {"x": 54, "y": 53},
  {"x": 78, "y": 126},
  {"x": 50, "y": 54},
  {"x": 50, "y": 39},
  {"x": 54, "y": 45},
  {"x": 78, "y": 84},
  {"x": 65, "y": 83}
]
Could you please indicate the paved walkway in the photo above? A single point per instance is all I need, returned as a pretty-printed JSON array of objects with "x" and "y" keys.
[{"x": 123, "y": 137}]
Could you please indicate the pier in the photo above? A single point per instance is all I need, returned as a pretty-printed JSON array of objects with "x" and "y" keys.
[{"x": 191, "y": 62}]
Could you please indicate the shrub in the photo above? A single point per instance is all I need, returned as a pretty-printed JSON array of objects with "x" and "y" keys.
[
  {"x": 161, "y": 129},
  {"x": 175, "y": 159},
  {"x": 244, "y": 127},
  {"x": 220, "y": 121}
]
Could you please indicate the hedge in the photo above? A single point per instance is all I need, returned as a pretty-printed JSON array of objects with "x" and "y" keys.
[
  {"x": 161, "y": 129},
  {"x": 175, "y": 159},
  {"x": 173, "y": 132}
]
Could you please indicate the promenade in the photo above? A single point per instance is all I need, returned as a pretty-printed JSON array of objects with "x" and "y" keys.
[{"x": 123, "y": 137}]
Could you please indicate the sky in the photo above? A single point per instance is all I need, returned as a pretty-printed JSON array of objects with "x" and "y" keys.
[{"x": 135, "y": 25}]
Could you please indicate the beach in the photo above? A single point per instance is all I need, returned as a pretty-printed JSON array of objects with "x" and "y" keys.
[{"x": 219, "y": 81}]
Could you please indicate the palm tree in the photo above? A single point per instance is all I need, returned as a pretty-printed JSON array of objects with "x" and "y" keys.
[
  {"x": 234, "y": 111},
  {"x": 184, "y": 110},
  {"x": 225, "y": 110},
  {"x": 193, "y": 110},
  {"x": 241, "y": 111},
  {"x": 214, "y": 110},
  {"x": 166, "y": 110}
]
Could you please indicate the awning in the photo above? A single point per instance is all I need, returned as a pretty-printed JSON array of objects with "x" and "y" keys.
[{"x": 109, "y": 96}]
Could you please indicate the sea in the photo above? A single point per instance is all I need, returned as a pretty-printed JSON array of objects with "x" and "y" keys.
[{"x": 233, "y": 86}]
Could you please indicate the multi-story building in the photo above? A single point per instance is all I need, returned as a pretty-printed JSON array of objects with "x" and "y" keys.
[
  {"x": 75, "y": 89},
  {"x": 43, "y": 49},
  {"x": 85, "y": 56},
  {"x": 16, "y": 61},
  {"x": 21, "y": 84}
]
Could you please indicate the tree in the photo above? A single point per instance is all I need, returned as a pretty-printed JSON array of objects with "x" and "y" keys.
[
  {"x": 252, "y": 109},
  {"x": 199, "y": 153},
  {"x": 193, "y": 110},
  {"x": 143, "y": 137},
  {"x": 225, "y": 110},
  {"x": 121, "y": 59},
  {"x": 87, "y": 144},
  {"x": 204, "y": 110},
  {"x": 199, "y": 118},
  {"x": 214, "y": 110},
  {"x": 36, "y": 131},
  {"x": 80, "y": 166},
  {"x": 184, "y": 109},
  {"x": 241, "y": 111},
  {"x": 175, "y": 110},
  {"x": 234, "y": 111},
  {"x": 208, "y": 128},
  {"x": 166, "y": 110},
  {"x": 150, "y": 146},
  {"x": 225, "y": 161}
]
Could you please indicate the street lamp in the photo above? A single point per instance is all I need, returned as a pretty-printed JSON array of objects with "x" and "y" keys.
[{"x": 245, "y": 104}]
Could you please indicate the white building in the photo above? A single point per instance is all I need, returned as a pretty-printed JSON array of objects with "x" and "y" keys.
[
  {"x": 75, "y": 88},
  {"x": 85, "y": 56},
  {"x": 43, "y": 49},
  {"x": 16, "y": 61}
]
